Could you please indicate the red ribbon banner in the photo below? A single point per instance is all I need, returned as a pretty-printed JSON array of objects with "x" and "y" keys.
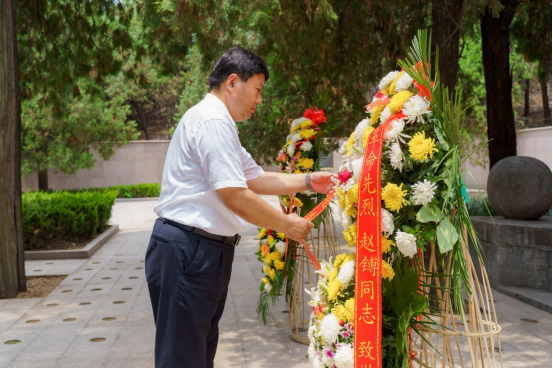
[{"x": 368, "y": 269}]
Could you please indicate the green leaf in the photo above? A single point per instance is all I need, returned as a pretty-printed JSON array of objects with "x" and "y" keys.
[
  {"x": 429, "y": 214},
  {"x": 447, "y": 235}
]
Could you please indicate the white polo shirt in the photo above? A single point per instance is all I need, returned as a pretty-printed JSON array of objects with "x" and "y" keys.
[{"x": 204, "y": 156}]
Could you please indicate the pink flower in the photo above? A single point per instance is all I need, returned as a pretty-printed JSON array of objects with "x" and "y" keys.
[
  {"x": 329, "y": 353},
  {"x": 344, "y": 176},
  {"x": 345, "y": 334}
]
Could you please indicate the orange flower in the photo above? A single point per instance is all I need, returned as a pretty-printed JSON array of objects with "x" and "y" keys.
[{"x": 265, "y": 249}]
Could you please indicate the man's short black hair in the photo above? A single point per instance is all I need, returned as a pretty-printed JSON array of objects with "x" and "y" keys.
[{"x": 240, "y": 61}]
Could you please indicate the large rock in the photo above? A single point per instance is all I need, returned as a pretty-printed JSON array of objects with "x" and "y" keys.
[{"x": 519, "y": 187}]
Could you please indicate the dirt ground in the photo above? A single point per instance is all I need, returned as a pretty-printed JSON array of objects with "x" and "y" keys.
[
  {"x": 39, "y": 287},
  {"x": 61, "y": 244}
]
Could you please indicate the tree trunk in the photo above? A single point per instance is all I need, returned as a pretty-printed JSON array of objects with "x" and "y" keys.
[
  {"x": 140, "y": 115},
  {"x": 447, "y": 16},
  {"x": 497, "y": 75},
  {"x": 12, "y": 257},
  {"x": 527, "y": 98},
  {"x": 545, "y": 99},
  {"x": 43, "y": 180}
]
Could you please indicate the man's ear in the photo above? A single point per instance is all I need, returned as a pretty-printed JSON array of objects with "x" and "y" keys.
[{"x": 231, "y": 81}]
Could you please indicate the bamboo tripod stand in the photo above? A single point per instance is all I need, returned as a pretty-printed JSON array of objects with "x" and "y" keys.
[
  {"x": 468, "y": 337},
  {"x": 324, "y": 244}
]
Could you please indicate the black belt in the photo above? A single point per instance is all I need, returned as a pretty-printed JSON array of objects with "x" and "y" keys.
[{"x": 232, "y": 240}]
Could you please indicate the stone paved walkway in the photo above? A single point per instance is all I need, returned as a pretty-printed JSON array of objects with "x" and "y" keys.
[{"x": 106, "y": 298}]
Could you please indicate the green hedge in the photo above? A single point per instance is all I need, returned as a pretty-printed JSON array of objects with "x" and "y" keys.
[
  {"x": 128, "y": 191},
  {"x": 64, "y": 214}
]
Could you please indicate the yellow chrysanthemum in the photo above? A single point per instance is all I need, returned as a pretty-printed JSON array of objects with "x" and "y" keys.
[
  {"x": 321, "y": 316},
  {"x": 340, "y": 312},
  {"x": 270, "y": 272},
  {"x": 265, "y": 280},
  {"x": 334, "y": 289},
  {"x": 349, "y": 144},
  {"x": 351, "y": 210},
  {"x": 306, "y": 163},
  {"x": 350, "y": 235},
  {"x": 394, "y": 196},
  {"x": 341, "y": 197},
  {"x": 281, "y": 235},
  {"x": 297, "y": 202},
  {"x": 386, "y": 244},
  {"x": 267, "y": 259},
  {"x": 307, "y": 133},
  {"x": 366, "y": 134},
  {"x": 279, "y": 265},
  {"x": 387, "y": 271},
  {"x": 298, "y": 170},
  {"x": 332, "y": 275},
  {"x": 375, "y": 114},
  {"x": 350, "y": 256},
  {"x": 275, "y": 255},
  {"x": 350, "y": 309},
  {"x": 421, "y": 147},
  {"x": 353, "y": 194},
  {"x": 396, "y": 102},
  {"x": 392, "y": 88},
  {"x": 262, "y": 232},
  {"x": 270, "y": 240},
  {"x": 339, "y": 259},
  {"x": 306, "y": 124},
  {"x": 295, "y": 128},
  {"x": 285, "y": 201}
]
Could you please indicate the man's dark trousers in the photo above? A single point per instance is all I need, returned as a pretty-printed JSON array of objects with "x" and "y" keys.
[{"x": 188, "y": 277}]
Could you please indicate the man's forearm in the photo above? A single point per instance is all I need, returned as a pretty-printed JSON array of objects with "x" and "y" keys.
[
  {"x": 250, "y": 207},
  {"x": 278, "y": 184}
]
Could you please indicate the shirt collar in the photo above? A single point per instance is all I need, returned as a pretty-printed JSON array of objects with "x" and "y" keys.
[{"x": 212, "y": 99}]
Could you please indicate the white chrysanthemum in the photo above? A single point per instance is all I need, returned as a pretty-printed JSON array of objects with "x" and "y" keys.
[
  {"x": 404, "y": 82},
  {"x": 343, "y": 358},
  {"x": 317, "y": 363},
  {"x": 328, "y": 356},
  {"x": 346, "y": 220},
  {"x": 394, "y": 132},
  {"x": 357, "y": 165},
  {"x": 268, "y": 287},
  {"x": 386, "y": 113},
  {"x": 291, "y": 149},
  {"x": 311, "y": 352},
  {"x": 359, "y": 130},
  {"x": 280, "y": 246},
  {"x": 306, "y": 146},
  {"x": 387, "y": 81},
  {"x": 296, "y": 137},
  {"x": 387, "y": 222},
  {"x": 311, "y": 331},
  {"x": 346, "y": 273},
  {"x": 396, "y": 157},
  {"x": 330, "y": 328},
  {"x": 423, "y": 192},
  {"x": 297, "y": 122},
  {"x": 415, "y": 109},
  {"x": 406, "y": 243}
]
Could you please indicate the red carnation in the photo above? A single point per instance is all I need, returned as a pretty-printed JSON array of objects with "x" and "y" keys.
[{"x": 315, "y": 115}]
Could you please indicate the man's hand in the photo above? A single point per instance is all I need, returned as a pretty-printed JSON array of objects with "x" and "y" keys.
[
  {"x": 322, "y": 181},
  {"x": 298, "y": 229}
]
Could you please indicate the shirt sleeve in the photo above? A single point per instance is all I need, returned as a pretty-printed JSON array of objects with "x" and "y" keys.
[
  {"x": 219, "y": 152},
  {"x": 251, "y": 169}
]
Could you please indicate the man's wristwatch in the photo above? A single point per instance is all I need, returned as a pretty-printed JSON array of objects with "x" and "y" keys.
[{"x": 308, "y": 182}]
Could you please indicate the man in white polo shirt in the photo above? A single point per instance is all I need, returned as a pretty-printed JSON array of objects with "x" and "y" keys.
[{"x": 209, "y": 189}]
